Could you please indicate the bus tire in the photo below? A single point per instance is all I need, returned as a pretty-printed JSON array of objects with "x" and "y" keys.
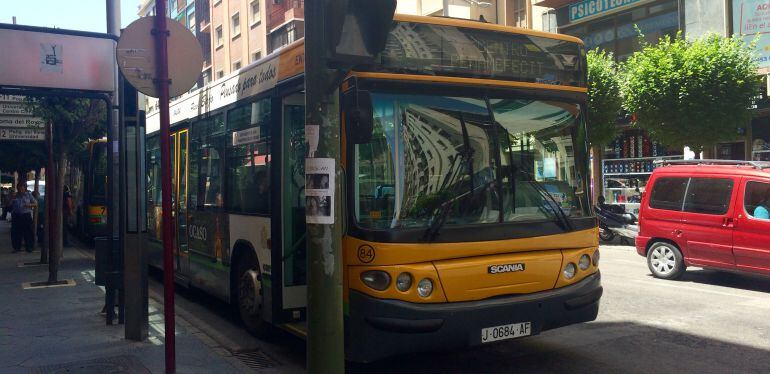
[{"x": 248, "y": 295}]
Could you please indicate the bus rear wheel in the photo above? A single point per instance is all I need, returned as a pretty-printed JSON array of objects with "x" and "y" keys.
[{"x": 249, "y": 295}]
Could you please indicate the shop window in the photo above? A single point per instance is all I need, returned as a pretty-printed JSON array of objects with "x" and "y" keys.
[{"x": 708, "y": 196}]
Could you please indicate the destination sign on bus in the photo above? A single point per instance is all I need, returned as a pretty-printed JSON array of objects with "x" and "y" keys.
[{"x": 427, "y": 49}]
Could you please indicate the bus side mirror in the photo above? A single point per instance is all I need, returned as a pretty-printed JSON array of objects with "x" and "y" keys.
[{"x": 359, "y": 121}]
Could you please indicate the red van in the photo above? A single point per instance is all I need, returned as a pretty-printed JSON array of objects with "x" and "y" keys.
[{"x": 706, "y": 213}]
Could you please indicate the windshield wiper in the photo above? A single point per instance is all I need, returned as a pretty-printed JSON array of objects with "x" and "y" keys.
[
  {"x": 558, "y": 211},
  {"x": 443, "y": 211},
  {"x": 439, "y": 217}
]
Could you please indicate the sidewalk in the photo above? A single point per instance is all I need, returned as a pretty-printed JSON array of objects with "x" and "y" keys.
[{"x": 60, "y": 329}]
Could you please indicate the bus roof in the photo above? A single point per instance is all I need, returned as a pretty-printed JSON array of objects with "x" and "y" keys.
[
  {"x": 459, "y": 22},
  {"x": 289, "y": 62}
]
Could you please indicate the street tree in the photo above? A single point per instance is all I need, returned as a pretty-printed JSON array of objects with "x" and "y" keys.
[
  {"x": 604, "y": 103},
  {"x": 74, "y": 121},
  {"x": 604, "y": 98},
  {"x": 691, "y": 92}
]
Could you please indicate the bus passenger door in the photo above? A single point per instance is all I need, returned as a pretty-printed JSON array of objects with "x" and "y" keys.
[
  {"x": 293, "y": 251},
  {"x": 181, "y": 263}
]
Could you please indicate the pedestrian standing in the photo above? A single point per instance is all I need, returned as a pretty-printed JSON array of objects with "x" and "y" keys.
[{"x": 22, "y": 220}]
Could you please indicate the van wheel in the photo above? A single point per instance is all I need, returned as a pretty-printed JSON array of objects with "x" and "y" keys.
[
  {"x": 249, "y": 295},
  {"x": 665, "y": 261}
]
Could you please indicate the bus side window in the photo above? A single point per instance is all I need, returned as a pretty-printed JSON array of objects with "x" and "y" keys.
[
  {"x": 207, "y": 144},
  {"x": 248, "y": 158}
]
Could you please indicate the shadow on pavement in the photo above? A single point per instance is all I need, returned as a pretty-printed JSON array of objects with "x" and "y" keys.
[
  {"x": 748, "y": 282},
  {"x": 598, "y": 347}
]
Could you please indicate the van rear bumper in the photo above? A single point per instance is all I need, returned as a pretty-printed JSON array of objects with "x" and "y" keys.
[
  {"x": 641, "y": 245},
  {"x": 379, "y": 328}
]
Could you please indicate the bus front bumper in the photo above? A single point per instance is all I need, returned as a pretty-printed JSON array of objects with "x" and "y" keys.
[{"x": 380, "y": 328}]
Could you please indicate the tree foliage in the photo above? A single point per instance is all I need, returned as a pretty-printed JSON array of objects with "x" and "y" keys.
[
  {"x": 75, "y": 120},
  {"x": 691, "y": 93},
  {"x": 604, "y": 99},
  {"x": 22, "y": 156}
]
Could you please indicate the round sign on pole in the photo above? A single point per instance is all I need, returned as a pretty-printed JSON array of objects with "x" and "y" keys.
[{"x": 136, "y": 57}]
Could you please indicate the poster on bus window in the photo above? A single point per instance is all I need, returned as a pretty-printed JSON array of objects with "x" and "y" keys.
[{"x": 319, "y": 190}]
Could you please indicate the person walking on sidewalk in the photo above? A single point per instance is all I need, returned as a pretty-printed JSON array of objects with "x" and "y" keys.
[{"x": 21, "y": 219}]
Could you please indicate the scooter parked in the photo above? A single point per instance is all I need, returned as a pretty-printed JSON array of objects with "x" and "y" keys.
[{"x": 615, "y": 221}]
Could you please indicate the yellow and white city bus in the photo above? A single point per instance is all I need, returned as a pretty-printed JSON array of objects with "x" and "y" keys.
[{"x": 465, "y": 205}]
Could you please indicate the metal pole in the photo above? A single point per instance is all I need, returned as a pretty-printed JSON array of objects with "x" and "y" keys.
[
  {"x": 48, "y": 197},
  {"x": 113, "y": 170},
  {"x": 446, "y": 8},
  {"x": 326, "y": 348},
  {"x": 161, "y": 52}
]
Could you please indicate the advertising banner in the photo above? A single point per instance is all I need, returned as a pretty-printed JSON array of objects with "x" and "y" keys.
[{"x": 751, "y": 20}]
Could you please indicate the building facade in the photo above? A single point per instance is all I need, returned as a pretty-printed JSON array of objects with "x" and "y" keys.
[
  {"x": 614, "y": 26},
  {"x": 516, "y": 13},
  {"x": 285, "y": 23},
  {"x": 232, "y": 33}
]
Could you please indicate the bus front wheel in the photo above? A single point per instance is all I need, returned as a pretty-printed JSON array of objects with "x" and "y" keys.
[{"x": 249, "y": 294}]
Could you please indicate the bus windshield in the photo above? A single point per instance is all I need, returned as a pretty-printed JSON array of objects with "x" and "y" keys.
[{"x": 469, "y": 160}]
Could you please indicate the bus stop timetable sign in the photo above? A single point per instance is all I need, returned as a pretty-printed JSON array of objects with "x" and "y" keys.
[{"x": 136, "y": 57}]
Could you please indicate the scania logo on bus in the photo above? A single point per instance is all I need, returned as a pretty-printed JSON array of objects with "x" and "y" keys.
[{"x": 507, "y": 268}]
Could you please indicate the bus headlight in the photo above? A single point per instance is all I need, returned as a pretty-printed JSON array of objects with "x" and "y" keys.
[
  {"x": 403, "y": 282},
  {"x": 569, "y": 271},
  {"x": 376, "y": 279},
  {"x": 425, "y": 287},
  {"x": 584, "y": 262},
  {"x": 596, "y": 258}
]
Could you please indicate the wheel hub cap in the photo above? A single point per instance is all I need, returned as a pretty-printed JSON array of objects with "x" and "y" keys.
[{"x": 663, "y": 260}]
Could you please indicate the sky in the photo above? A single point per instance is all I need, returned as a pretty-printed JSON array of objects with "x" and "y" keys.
[{"x": 83, "y": 15}]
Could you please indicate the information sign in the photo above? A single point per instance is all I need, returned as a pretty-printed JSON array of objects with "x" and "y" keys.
[
  {"x": 21, "y": 134},
  {"x": 136, "y": 57}
]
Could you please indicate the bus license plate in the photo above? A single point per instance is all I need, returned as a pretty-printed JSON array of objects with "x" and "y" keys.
[{"x": 513, "y": 330}]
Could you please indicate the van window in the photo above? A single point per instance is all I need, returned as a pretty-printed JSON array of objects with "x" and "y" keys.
[
  {"x": 708, "y": 195},
  {"x": 757, "y": 200},
  {"x": 668, "y": 193}
]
